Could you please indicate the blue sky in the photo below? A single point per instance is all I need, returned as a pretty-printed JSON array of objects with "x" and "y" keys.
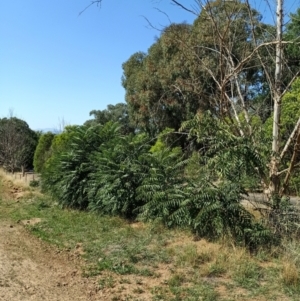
[{"x": 55, "y": 64}]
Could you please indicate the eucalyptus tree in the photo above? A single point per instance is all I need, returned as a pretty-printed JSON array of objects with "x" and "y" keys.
[
  {"x": 290, "y": 113},
  {"x": 222, "y": 45},
  {"x": 292, "y": 34},
  {"x": 160, "y": 89},
  {"x": 115, "y": 113},
  {"x": 261, "y": 40},
  {"x": 209, "y": 65}
]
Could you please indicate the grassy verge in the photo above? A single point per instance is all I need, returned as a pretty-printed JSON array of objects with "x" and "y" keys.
[{"x": 148, "y": 262}]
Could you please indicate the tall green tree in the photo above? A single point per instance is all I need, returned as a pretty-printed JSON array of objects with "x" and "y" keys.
[
  {"x": 292, "y": 50},
  {"x": 114, "y": 113},
  {"x": 43, "y": 151},
  {"x": 210, "y": 65},
  {"x": 223, "y": 46},
  {"x": 160, "y": 89}
]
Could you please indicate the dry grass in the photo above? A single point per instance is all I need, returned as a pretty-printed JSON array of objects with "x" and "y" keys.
[
  {"x": 290, "y": 274},
  {"x": 290, "y": 269},
  {"x": 16, "y": 187},
  {"x": 17, "y": 178}
]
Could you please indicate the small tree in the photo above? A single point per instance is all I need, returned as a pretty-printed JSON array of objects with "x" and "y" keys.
[{"x": 17, "y": 144}]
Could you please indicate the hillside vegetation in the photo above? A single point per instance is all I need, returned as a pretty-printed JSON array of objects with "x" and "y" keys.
[
  {"x": 137, "y": 261},
  {"x": 154, "y": 188}
]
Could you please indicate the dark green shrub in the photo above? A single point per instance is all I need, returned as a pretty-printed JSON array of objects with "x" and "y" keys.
[
  {"x": 34, "y": 183},
  {"x": 66, "y": 175},
  {"x": 120, "y": 169},
  {"x": 42, "y": 151},
  {"x": 162, "y": 190}
]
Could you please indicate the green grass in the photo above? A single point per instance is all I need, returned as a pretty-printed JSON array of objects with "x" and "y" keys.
[
  {"x": 162, "y": 264},
  {"x": 109, "y": 243},
  {"x": 247, "y": 274}
]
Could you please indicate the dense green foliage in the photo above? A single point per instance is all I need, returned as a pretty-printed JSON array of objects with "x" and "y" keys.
[
  {"x": 106, "y": 171},
  {"x": 42, "y": 152},
  {"x": 66, "y": 173},
  {"x": 115, "y": 113},
  {"x": 120, "y": 170},
  {"x": 292, "y": 49},
  {"x": 194, "y": 136},
  {"x": 17, "y": 144},
  {"x": 162, "y": 188},
  {"x": 186, "y": 70}
]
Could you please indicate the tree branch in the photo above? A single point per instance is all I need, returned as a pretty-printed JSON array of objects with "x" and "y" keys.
[
  {"x": 98, "y": 2},
  {"x": 291, "y": 138},
  {"x": 184, "y": 7}
]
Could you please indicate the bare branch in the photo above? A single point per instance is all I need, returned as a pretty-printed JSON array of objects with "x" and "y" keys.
[
  {"x": 151, "y": 25},
  {"x": 164, "y": 13},
  {"x": 98, "y": 2},
  {"x": 184, "y": 7},
  {"x": 290, "y": 83},
  {"x": 292, "y": 164},
  {"x": 291, "y": 138}
]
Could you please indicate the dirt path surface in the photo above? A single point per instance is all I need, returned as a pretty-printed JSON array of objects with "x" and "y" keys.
[{"x": 32, "y": 270}]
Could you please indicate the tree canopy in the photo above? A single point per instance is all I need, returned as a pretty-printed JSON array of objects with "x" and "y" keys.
[
  {"x": 17, "y": 144},
  {"x": 220, "y": 86},
  {"x": 209, "y": 65},
  {"x": 115, "y": 113}
]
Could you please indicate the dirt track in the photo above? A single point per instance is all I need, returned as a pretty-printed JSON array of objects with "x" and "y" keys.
[{"x": 31, "y": 270}]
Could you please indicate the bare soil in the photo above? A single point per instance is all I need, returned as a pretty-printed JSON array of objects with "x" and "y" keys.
[{"x": 32, "y": 270}]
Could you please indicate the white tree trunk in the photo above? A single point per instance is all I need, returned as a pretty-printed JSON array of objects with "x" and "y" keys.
[{"x": 277, "y": 95}]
